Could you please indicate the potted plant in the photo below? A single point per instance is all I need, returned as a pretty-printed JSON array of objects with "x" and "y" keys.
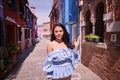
[
  {"x": 92, "y": 37},
  {"x": 12, "y": 49}
]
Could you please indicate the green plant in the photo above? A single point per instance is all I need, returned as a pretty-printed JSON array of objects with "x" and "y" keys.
[
  {"x": 92, "y": 37},
  {"x": 12, "y": 47}
]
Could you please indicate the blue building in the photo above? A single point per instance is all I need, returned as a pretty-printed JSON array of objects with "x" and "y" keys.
[{"x": 69, "y": 16}]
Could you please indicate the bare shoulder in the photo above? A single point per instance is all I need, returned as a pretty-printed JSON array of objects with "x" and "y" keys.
[{"x": 50, "y": 47}]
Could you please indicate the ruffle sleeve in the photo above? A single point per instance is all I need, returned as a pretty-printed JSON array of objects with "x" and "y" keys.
[
  {"x": 47, "y": 66},
  {"x": 75, "y": 56}
]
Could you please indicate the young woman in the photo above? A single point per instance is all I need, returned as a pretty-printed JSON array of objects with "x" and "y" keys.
[{"x": 62, "y": 55}]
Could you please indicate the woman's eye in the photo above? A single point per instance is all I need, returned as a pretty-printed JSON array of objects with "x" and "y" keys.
[{"x": 61, "y": 31}]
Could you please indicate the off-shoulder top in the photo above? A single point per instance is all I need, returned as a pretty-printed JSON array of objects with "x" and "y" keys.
[{"x": 59, "y": 63}]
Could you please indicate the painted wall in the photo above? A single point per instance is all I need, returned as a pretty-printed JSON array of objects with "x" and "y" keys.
[
  {"x": 69, "y": 16},
  {"x": 40, "y": 31}
]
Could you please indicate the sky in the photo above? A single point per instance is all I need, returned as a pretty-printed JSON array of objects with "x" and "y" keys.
[{"x": 42, "y": 10}]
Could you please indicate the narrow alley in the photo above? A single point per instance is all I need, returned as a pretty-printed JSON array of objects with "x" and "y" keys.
[{"x": 29, "y": 65}]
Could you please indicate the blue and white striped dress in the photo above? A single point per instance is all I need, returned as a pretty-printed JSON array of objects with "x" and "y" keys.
[{"x": 59, "y": 63}]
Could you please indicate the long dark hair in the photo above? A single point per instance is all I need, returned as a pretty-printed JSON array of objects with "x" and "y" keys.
[{"x": 65, "y": 37}]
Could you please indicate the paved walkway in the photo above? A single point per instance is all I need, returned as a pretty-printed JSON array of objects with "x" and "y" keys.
[{"x": 29, "y": 65}]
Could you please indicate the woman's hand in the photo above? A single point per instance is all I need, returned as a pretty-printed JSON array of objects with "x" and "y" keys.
[{"x": 76, "y": 43}]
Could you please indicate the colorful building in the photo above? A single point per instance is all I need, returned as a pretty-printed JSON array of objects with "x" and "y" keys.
[
  {"x": 17, "y": 31},
  {"x": 40, "y": 31},
  {"x": 19, "y": 23},
  {"x": 54, "y": 14},
  {"x": 67, "y": 13},
  {"x": 46, "y": 30}
]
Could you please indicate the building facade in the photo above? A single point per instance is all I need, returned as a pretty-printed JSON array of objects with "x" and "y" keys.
[
  {"x": 101, "y": 17},
  {"x": 67, "y": 13},
  {"x": 46, "y": 30},
  {"x": 40, "y": 31},
  {"x": 19, "y": 22},
  {"x": 16, "y": 31},
  {"x": 54, "y": 14}
]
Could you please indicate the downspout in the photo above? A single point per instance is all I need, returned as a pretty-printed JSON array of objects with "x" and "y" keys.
[
  {"x": 80, "y": 15},
  {"x": 67, "y": 15}
]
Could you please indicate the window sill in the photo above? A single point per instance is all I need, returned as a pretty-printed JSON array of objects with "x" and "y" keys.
[{"x": 101, "y": 45}]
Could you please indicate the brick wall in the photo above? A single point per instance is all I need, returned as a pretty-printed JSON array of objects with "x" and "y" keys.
[{"x": 105, "y": 62}]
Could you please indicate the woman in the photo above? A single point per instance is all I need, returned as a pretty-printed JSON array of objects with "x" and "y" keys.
[{"x": 62, "y": 55}]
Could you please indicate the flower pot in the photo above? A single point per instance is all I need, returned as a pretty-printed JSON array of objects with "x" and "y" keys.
[
  {"x": 14, "y": 60},
  {"x": 95, "y": 39}
]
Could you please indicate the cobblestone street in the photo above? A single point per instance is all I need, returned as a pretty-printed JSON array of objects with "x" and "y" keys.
[{"x": 29, "y": 65}]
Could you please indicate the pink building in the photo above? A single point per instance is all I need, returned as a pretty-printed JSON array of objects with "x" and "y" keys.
[
  {"x": 46, "y": 30},
  {"x": 40, "y": 31}
]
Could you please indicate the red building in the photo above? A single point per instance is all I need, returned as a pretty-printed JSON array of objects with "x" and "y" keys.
[
  {"x": 34, "y": 29},
  {"x": 19, "y": 22},
  {"x": 54, "y": 14},
  {"x": 10, "y": 16}
]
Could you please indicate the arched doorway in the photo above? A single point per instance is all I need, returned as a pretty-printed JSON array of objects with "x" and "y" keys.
[
  {"x": 99, "y": 26},
  {"x": 88, "y": 28}
]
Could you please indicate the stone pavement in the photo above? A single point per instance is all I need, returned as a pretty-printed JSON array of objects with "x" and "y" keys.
[{"x": 29, "y": 65}]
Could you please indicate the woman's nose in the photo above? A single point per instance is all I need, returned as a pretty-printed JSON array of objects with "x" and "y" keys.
[{"x": 58, "y": 32}]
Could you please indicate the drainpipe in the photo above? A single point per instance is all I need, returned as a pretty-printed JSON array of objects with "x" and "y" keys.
[{"x": 80, "y": 15}]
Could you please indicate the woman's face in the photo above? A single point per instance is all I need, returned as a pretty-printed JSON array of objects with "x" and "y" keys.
[{"x": 58, "y": 32}]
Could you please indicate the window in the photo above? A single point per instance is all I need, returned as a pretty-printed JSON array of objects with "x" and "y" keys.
[
  {"x": 113, "y": 37},
  {"x": 27, "y": 14},
  {"x": 22, "y": 8},
  {"x": 29, "y": 33},
  {"x": 12, "y": 3},
  {"x": 45, "y": 29},
  {"x": 26, "y": 33}
]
